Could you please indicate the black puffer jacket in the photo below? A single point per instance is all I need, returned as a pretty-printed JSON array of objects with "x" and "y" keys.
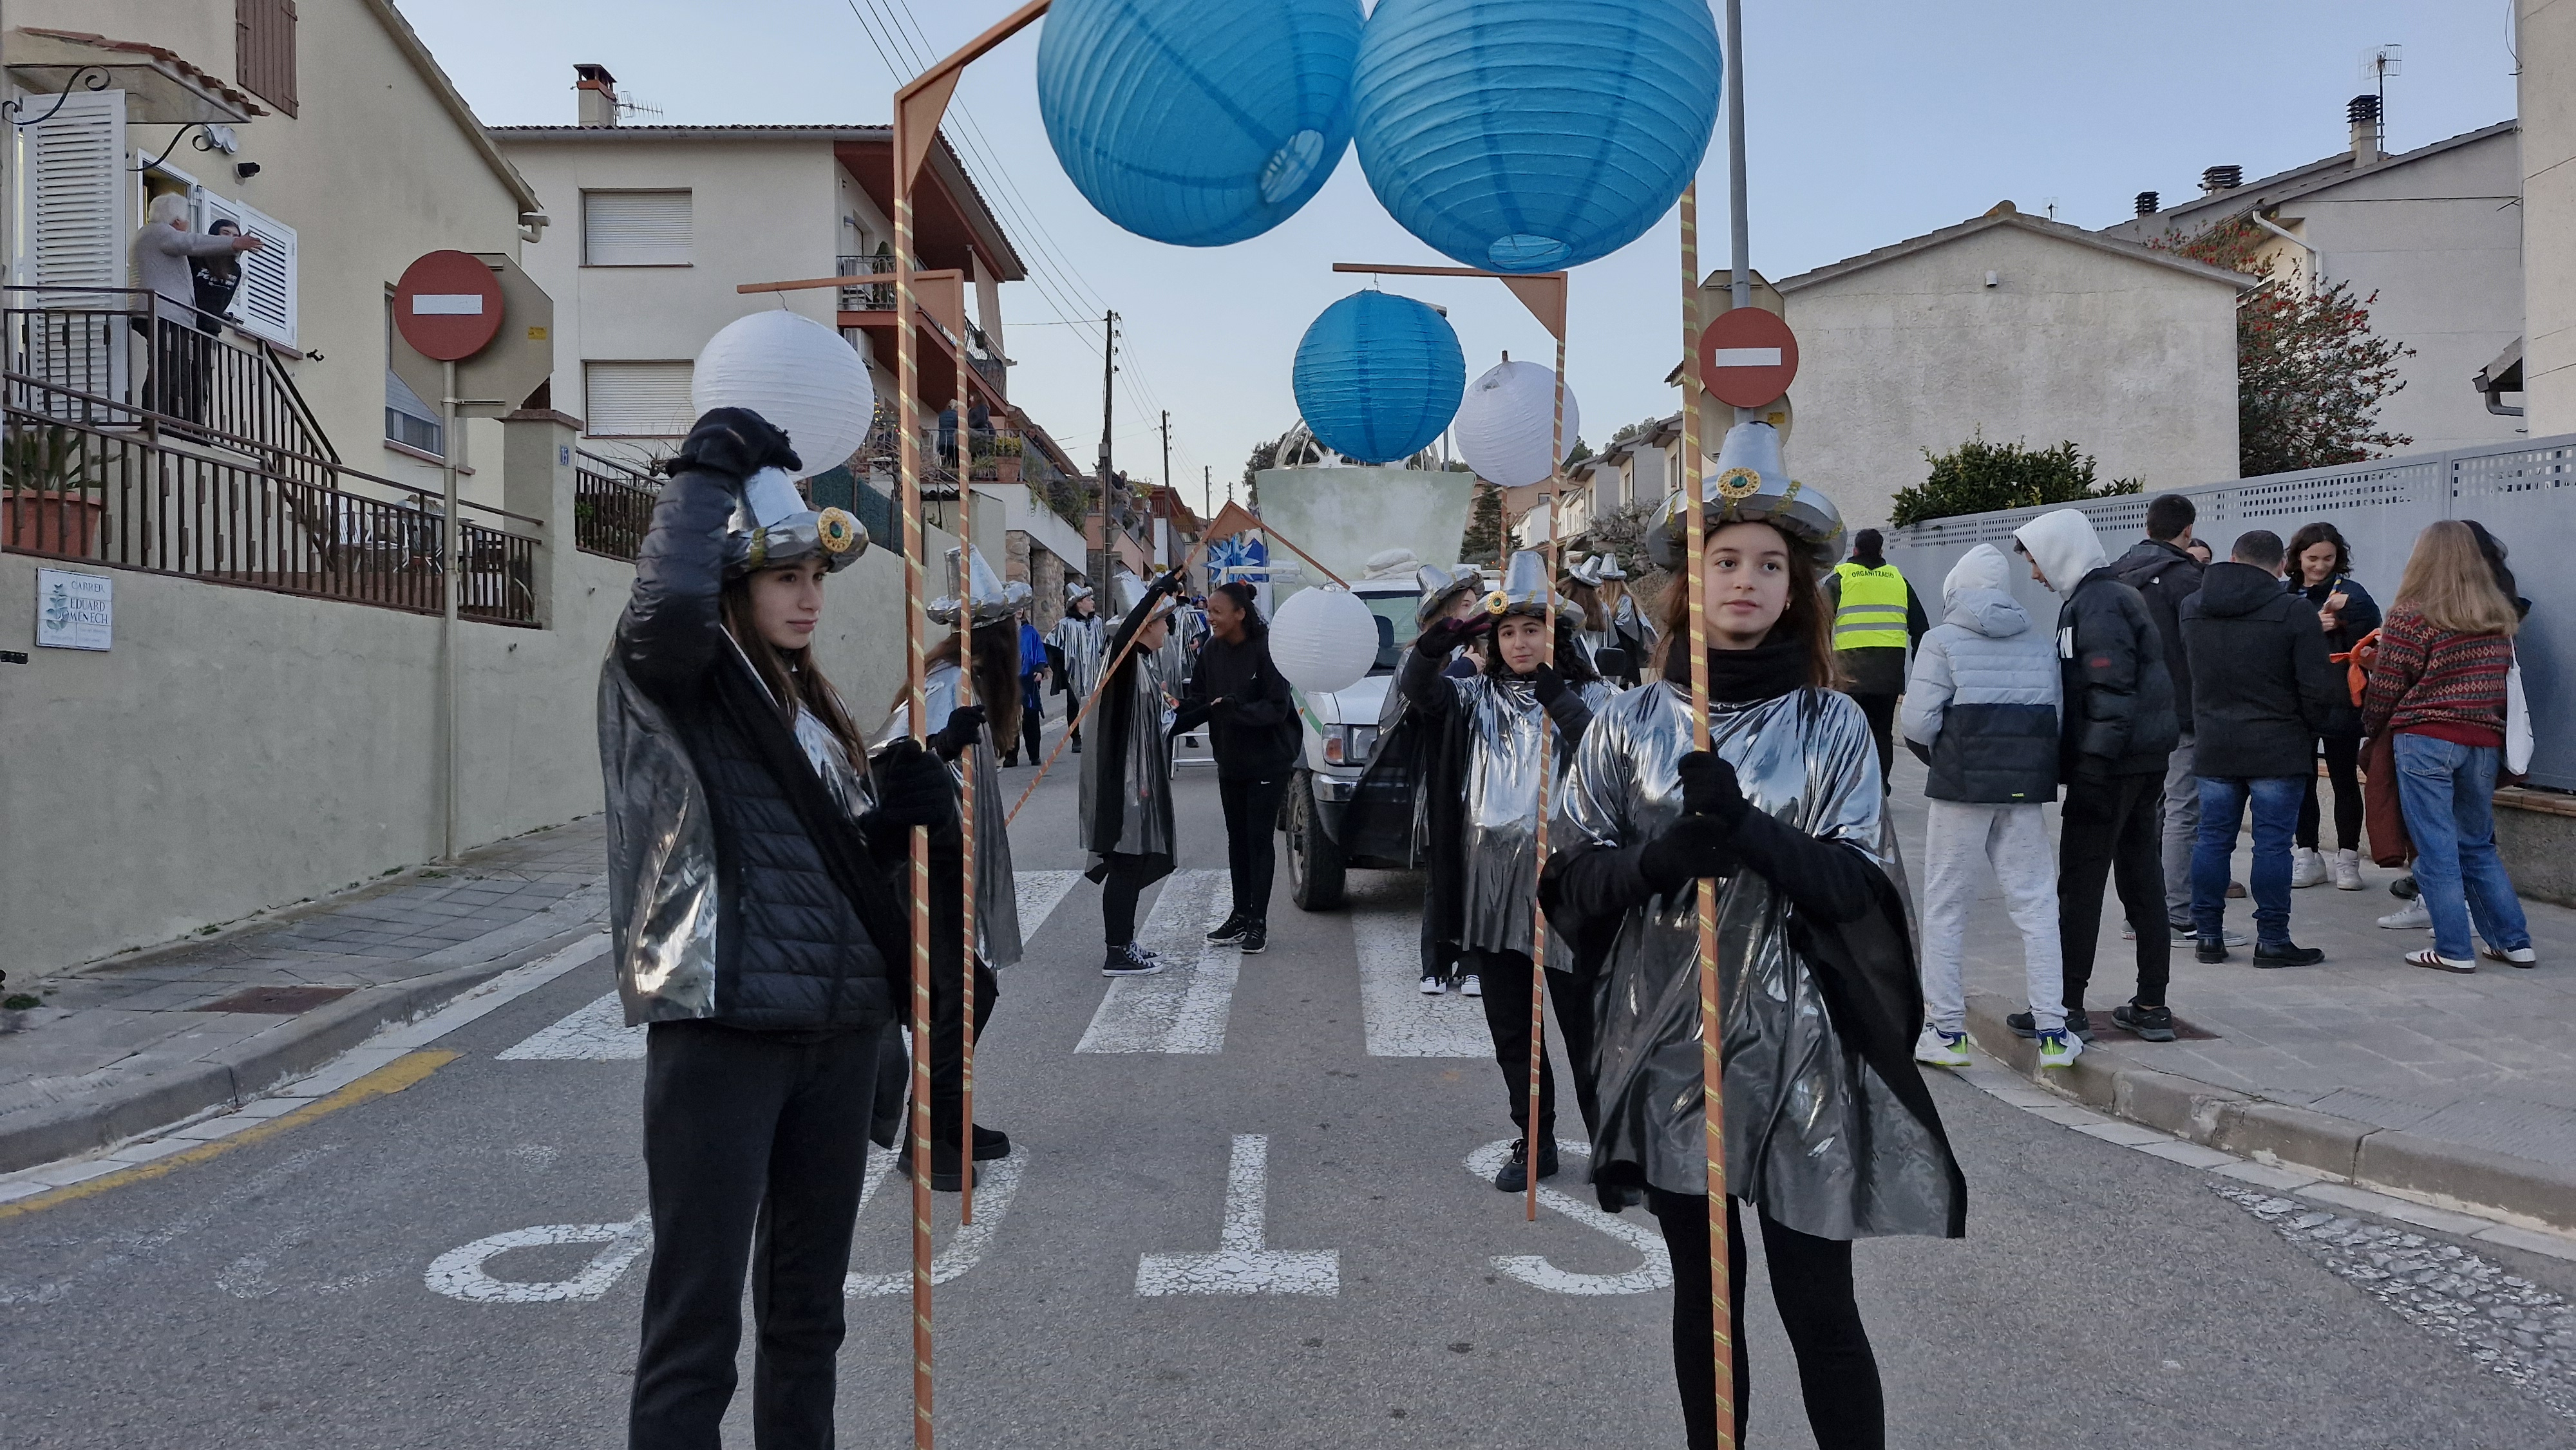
[
  {"x": 2118, "y": 715},
  {"x": 2267, "y": 690},
  {"x": 1254, "y": 732},
  {"x": 2164, "y": 576},
  {"x": 809, "y": 920}
]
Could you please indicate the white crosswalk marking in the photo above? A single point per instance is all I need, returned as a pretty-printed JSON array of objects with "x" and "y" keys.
[
  {"x": 1402, "y": 1022},
  {"x": 1039, "y": 893},
  {"x": 1183, "y": 1009}
]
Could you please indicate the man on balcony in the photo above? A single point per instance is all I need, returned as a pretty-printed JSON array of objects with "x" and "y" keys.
[{"x": 165, "y": 254}]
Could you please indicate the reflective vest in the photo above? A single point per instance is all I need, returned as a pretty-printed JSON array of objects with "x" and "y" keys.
[{"x": 1872, "y": 615}]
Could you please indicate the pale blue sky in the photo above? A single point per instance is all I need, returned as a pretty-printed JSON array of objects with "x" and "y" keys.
[{"x": 1869, "y": 121}]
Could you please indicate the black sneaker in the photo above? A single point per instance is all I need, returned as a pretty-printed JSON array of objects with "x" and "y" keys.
[
  {"x": 1233, "y": 930},
  {"x": 2076, "y": 1022},
  {"x": 2288, "y": 954},
  {"x": 991, "y": 1143},
  {"x": 2403, "y": 888},
  {"x": 1255, "y": 939},
  {"x": 1513, "y": 1176},
  {"x": 2021, "y": 1024},
  {"x": 2214, "y": 949},
  {"x": 944, "y": 1177},
  {"x": 2155, "y": 1024},
  {"x": 1130, "y": 960}
]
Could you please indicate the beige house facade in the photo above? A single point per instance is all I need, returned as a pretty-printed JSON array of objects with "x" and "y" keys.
[{"x": 2545, "y": 44}]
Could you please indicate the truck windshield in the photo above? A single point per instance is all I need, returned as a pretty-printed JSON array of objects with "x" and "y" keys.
[{"x": 1395, "y": 628}]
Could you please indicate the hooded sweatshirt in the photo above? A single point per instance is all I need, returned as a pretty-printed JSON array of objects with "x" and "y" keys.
[
  {"x": 1981, "y": 704},
  {"x": 2117, "y": 715},
  {"x": 2263, "y": 687}
]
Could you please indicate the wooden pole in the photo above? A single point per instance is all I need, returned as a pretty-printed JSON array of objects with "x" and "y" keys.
[
  {"x": 1546, "y": 737},
  {"x": 916, "y": 543},
  {"x": 966, "y": 808},
  {"x": 1712, "y": 1064}
]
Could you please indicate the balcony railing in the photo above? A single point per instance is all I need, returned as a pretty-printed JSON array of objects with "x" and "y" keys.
[
  {"x": 85, "y": 477},
  {"x": 878, "y": 296},
  {"x": 612, "y": 506}
]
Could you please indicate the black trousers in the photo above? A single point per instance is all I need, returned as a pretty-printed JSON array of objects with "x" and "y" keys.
[
  {"x": 2343, "y": 769},
  {"x": 1505, "y": 977},
  {"x": 1126, "y": 879},
  {"x": 753, "y": 1151},
  {"x": 1438, "y": 957},
  {"x": 948, "y": 1049},
  {"x": 1811, "y": 1284},
  {"x": 1251, "y": 816},
  {"x": 2113, "y": 825},
  {"x": 1032, "y": 718},
  {"x": 1881, "y": 710}
]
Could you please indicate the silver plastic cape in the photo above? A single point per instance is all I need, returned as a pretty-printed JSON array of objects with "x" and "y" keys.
[
  {"x": 997, "y": 909},
  {"x": 1813, "y": 1135},
  {"x": 662, "y": 849},
  {"x": 1144, "y": 803},
  {"x": 1081, "y": 641},
  {"x": 1500, "y": 892}
]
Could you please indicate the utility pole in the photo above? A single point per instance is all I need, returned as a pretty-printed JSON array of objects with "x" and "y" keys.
[
  {"x": 1097, "y": 546},
  {"x": 1207, "y": 488},
  {"x": 1167, "y": 448}
]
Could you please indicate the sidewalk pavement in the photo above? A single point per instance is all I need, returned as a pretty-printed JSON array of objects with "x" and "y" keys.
[
  {"x": 144, "y": 1040},
  {"x": 2448, "y": 1089}
]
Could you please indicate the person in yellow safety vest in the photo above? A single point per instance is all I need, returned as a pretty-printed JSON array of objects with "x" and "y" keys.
[{"x": 1876, "y": 619}]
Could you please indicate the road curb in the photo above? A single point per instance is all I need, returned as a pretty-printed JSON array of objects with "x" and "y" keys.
[
  {"x": 2409, "y": 1164},
  {"x": 249, "y": 1068}
]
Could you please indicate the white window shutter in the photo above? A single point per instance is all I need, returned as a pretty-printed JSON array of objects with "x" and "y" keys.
[
  {"x": 265, "y": 304},
  {"x": 637, "y": 399},
  {"x": 635, "y": 228},
  {"x": 79, "y": 193}
]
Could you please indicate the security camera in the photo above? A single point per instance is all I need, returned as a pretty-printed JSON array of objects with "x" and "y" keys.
[{"x": 245, "y": 170}]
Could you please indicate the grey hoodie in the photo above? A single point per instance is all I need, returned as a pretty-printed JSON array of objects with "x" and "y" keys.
[{"x": 1981, "y": 705}]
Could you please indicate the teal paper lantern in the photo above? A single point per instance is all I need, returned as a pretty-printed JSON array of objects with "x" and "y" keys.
[
  {"x": 1529, "y": 135},
  {"x": 1378, "y": 376},
  {"x": 1198, "y": 123}
]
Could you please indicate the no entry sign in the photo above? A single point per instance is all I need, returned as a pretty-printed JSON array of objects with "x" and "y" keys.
[
  {"x": 1747, "y": 357},
  {"x": 447, "y": 306}
]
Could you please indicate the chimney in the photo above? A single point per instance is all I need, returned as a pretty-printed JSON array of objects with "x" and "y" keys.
[
  {"x": 2363, "y": 112},
  {"x": 2148, "y": 203},
  {"x": 597, "y": 95},
  {"x": 2222, "y": 178}
]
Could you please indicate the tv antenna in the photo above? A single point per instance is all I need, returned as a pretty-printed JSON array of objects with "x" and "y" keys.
[{"x": 2378, "y": 64}]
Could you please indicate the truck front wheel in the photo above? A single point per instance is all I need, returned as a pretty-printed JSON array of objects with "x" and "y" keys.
[{"x": 1314, "y": 858}]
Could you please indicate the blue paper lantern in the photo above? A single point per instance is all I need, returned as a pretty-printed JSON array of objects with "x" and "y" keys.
[
  {"x": 1528, "y": 135},
  {"x": 1198, "y": 123},
  {"x": 1378, "y": 376}
]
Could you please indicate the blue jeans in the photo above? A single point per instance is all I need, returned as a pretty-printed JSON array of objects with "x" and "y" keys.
[
  {"x": 2276, "y": 817},
  {"x": 2448, "y": 791}
]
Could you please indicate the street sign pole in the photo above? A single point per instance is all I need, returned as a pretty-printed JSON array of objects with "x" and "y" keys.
[
  {"x": 450, "y": 675},
  {"x": 1740, "y": 233}
]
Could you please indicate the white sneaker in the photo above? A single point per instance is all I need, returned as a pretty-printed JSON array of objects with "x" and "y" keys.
[
  {"x": 1471, "y": 986},
  {"x": 2510, "y": 956},
  {"x": 2059, "y": 1049},
  {"x": 1432, "y": 986},
  {"x": 2307, "y": 868},
  {"x": 2413, "y": 916},
  {"x": 1941, "y": 1049},
  {"x": 2345, "y": 867}
]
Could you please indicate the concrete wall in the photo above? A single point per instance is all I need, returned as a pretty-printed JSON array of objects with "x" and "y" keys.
[
  {"x": 2546, "y": 46},
  {"x": 373, "y": 172},
  {"x": 2134, "y": 361}
]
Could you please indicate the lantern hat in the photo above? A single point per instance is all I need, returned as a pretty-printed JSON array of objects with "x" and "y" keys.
[
  {"x": 772, "y": 528},
  {"x": 1525, "y": 590},
  {"x": 989, "y": 600},
  {"x": 1128, "y": 590},
  {"x": 1441, "y": 591},
  {"x": 1606, "y": 570},
  {"x": 1076, "y": 593},
  {"x": 1750, "y": 485}
]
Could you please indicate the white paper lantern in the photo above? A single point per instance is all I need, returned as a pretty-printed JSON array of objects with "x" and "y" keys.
[
  {"x": 1324, "y": 640},
  {"x": 1506, "y": 425},
  {"x": 798, "y": 374}
]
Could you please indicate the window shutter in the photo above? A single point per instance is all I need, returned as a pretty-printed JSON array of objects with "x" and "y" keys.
[
  {"x": 77, "y": 181},
  {"x": 264, "y": 50},
  {"x": 637, "y": 399},
  {"x": 265, "y": 304},
  {"x": 635, "y": 228}
]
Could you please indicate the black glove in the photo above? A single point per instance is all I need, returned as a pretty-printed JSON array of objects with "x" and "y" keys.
[
  {"x": 1709, "y": 789},
  {"x": 1548, "y": 685},
  {"x": 965, "y": 726},
  {"x": 913, "y": 788},
  {"x": 1691, "y": 848},
  {"x": 737, "y": 442},
  {"x": 1445, "y": 635},
  {"x": 1172, "y": 583}
]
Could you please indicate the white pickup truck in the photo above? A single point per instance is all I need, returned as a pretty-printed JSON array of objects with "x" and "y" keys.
[{"x": 1340, "y": 735}]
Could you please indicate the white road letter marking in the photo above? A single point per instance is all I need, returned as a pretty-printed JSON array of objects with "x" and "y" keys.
[
  {"x": 459, "y": 1273},
  {"x": 1532, "y": 1269},
  {"x": 1402, "y": 1022},
  {"x": 1183, "y": 1009},
  {"x": 998, "y": 1180},
  {"x": 1241, "y": 1265},
  {"x": 597, "y": 1032}
]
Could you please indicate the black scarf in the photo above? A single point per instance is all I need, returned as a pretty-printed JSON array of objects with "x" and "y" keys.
[{"x": 1745, "y": 676}]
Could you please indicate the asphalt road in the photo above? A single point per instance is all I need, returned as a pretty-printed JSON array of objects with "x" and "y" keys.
[{"x": 338, "y": 1284}]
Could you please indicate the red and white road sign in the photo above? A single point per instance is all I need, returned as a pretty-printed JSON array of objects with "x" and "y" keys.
[
  {"x": 448, "y": 306},
  {"x": 1747, "y": 357}
]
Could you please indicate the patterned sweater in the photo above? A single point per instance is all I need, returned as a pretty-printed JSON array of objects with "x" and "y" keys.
[{"x": 2432, "y": 681}]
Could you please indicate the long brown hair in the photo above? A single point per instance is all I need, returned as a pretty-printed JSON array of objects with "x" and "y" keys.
[
  {"x": 2448, "y": 582},
  {"x": 1803, "y": 617},
  {"x": 997, "y": 675},
  {"x": 792, "y": 676}
]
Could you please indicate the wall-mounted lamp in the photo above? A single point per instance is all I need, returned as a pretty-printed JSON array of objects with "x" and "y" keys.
[{"x": 245, "y": 170}]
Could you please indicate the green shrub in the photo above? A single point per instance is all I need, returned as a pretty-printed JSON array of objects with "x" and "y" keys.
[{"x": 1978, "y": 477}]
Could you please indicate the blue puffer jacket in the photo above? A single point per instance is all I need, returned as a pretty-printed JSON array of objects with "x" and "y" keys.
[{"x": 1981, "y": 706}]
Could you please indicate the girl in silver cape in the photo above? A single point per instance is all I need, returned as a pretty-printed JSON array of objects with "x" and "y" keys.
[{"x": 1127, "y": 776}]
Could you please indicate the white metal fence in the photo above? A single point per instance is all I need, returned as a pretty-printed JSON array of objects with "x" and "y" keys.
[{"x": 2524, "y": 493}]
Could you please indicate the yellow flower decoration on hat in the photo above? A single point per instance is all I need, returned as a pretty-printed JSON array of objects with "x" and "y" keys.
[
  {"x": 1738, "y": 482},
  {"x": 837, "y": 531},
  {"x": 1497, "y": 602}
]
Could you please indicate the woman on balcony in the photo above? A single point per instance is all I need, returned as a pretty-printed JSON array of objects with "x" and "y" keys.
[{"x": 165, "y": 255}]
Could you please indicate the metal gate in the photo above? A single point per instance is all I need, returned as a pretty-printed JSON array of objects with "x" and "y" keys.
[{"x": 2524, "y": 493}]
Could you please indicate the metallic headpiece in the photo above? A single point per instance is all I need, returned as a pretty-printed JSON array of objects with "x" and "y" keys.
[
  {"x": 1076, "y": 593},
  {"x": 1441, "y": 591},
  {"x": 992, "y": 601},
  {"x": 1749, "y": 485},
  {"x": 1526, "y": 591},
  {"x": 772, "y": 528}
]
